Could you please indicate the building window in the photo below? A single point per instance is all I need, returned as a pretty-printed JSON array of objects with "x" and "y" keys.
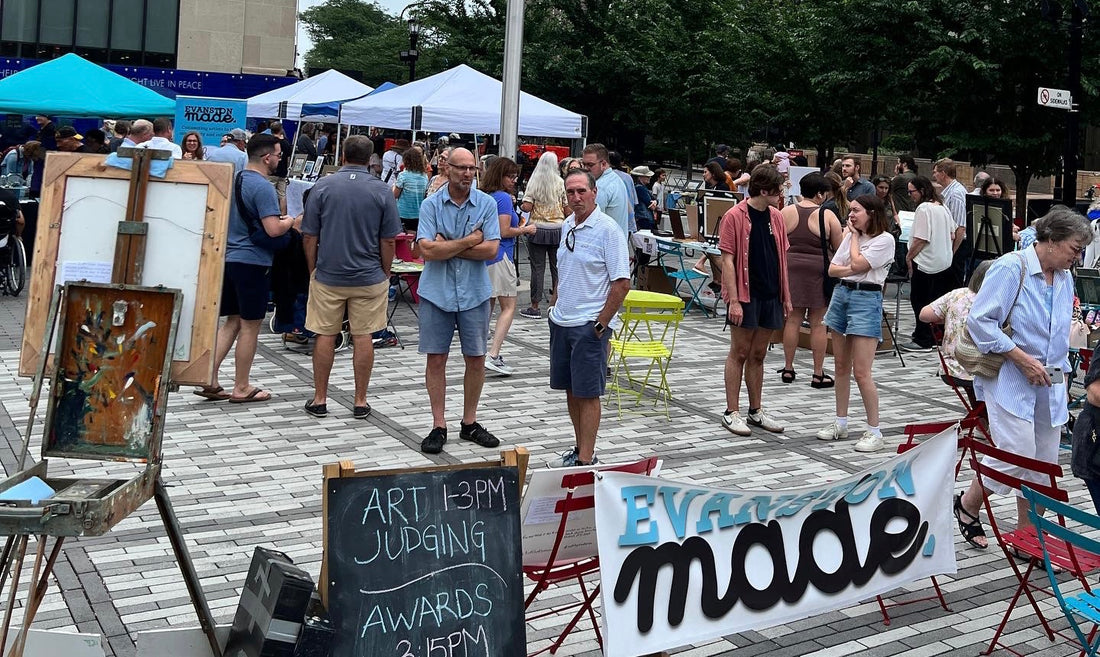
[{"x": 131, "y": 32}]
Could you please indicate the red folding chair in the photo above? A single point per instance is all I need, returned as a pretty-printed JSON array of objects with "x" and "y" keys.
[
  {"x": 912, "y": 432},
  {"x": 1023, "y": 541},
  {"x": 962, "y": 388},
  {"x": 575, "y": 570}
]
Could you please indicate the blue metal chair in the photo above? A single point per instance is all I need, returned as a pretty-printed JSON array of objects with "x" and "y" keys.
[
  {"x": 1068, "y": 550},
  {"x": 680, "y": 273}
]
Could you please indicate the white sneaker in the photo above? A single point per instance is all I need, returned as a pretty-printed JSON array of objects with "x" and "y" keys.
[
  {"x": 869, "y": 442},
  {"x": 734, "y": 423},
  {"x": 764, "y": 421},
  {"x": 496, "y": 363},
  {"x": 833, "y": 432}
]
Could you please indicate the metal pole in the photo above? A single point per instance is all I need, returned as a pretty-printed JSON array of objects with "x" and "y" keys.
[
  {"x": 509, "y": 90},
  {"x": 1073, "y": 120}
]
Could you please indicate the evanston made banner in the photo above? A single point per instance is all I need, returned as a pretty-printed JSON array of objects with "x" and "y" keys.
[
  {"x": 682, "y": 564},
  {"x": 210, "y": 117}
]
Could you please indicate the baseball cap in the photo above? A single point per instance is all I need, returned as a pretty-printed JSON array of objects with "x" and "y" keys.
[
  {"x": 67, "y": 132},
  {"x": 238, "y": 135}
]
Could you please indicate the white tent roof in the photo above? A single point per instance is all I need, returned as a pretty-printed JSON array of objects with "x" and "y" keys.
[
  {"x": 286, "y": 102},
  {"x": 459, "y": 100}
]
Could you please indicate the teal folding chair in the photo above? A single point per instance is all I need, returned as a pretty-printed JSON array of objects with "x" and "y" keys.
[
  {"x": 681, "y": 274},
  {"x": 1068, "y": 550}
]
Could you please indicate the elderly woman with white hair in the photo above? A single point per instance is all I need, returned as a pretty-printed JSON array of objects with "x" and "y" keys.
[
  {"x": 1026, "y": 400},
  {"x": 544, "y": 199}
]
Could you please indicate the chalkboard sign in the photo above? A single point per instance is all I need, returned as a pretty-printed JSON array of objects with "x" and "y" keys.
[{"x": 425, "y": 563}]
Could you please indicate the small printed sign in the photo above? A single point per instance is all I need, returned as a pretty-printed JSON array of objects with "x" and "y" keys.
[{"x": 1057, "y": 98}]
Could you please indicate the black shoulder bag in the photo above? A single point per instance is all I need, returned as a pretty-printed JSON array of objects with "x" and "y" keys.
[
  {"x": 255, "y": 225},
  {"x": 828, "y": 282}
]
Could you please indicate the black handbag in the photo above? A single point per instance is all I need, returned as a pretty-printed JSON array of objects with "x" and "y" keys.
[
  {"x": 828, "y": 282},
  {"x": 256, "y": 232}
]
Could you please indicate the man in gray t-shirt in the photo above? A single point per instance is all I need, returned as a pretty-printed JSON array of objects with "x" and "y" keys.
[{"x": 348, "y": 234}]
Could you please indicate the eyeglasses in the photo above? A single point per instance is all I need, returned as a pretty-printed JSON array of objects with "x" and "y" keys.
[
  {"x": 463, "y": 169},
  {"x": 571, "y": 239},
  {"x": 914, "y": 191},
  {"x": 589, "y": 165}
]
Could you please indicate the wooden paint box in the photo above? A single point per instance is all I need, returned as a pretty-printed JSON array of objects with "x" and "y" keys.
[{"x": 107, "y": 402}]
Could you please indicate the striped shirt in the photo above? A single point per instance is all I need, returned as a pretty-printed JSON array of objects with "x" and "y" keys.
[
  {"x": 585, "y": 272},
  {"x": 1040, "y": 324},
  {"x": 954, "y": 198}
]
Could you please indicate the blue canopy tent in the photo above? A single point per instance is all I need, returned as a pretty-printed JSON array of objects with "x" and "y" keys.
[{"x": 72, "y": 86}]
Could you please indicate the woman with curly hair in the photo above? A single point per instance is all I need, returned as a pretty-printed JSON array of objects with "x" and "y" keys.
[{"x": 411, "y": 187}]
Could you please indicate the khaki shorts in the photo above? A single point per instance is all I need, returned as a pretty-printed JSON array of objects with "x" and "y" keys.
[
  {"x": 280, "y": 185},
  {"x": 503, "y": 277},
  {"x": 365, "y": 306}
]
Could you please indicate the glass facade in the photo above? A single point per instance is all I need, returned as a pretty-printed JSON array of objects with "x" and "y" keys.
[{"x": 133, "y": 32}]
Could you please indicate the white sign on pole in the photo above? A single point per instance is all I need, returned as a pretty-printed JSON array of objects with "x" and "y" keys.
[
  {"x": 682, "y": 564},
  {"x": 1058, "y": 98}
]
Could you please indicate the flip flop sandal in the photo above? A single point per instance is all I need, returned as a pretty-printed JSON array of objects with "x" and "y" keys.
[
  {"x": 213, "y": 394},
  {"x": 822, "y": 381},
  {"x": 786, "y": 375},
  {"x": 970, "y": 529},
  {"x": 254, "y": 395}
]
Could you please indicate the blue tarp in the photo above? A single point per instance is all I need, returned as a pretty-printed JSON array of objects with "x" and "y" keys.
[
  {"x": 332, "y": 109},
  {"x": 72, "y": 86}
]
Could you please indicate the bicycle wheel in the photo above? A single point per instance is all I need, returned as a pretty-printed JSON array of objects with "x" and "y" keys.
[{"x": 17, "y": 266}]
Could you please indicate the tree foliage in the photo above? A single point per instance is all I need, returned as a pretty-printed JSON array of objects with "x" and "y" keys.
[{"x": 941, "y": 77}]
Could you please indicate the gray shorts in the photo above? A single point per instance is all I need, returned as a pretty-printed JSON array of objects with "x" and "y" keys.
[{"x": 437, "y": 329}]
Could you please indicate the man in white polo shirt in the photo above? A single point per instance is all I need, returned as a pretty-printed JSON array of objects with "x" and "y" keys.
[{"x": 593, "y": 279}]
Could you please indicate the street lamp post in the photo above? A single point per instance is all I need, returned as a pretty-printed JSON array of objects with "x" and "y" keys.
[{"x": 412, "y": 54}]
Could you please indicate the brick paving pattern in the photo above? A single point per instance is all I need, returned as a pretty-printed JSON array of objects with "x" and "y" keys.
[{"x": 247, "y": 475}]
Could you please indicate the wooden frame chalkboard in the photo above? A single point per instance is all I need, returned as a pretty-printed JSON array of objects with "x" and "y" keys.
[
  {"x": 188, "y": 216},
  {"x": 443, "y": 540}
]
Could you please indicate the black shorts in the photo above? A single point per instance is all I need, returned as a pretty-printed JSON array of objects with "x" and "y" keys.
[
  {"x": 245, "y": 290},
  {"x": 761, "y": 314}
]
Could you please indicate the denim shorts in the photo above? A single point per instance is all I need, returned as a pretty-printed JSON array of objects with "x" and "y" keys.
[
  {"x": 437, "y": 329},
  {"x": 855, "y": 312},
  {"x": 578, "y": 359}
]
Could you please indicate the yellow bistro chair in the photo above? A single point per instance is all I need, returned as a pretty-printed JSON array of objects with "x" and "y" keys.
[{"x": 648, "y": 334}]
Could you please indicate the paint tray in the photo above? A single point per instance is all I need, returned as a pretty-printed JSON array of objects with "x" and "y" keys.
[{"x": 107, "y": 400}]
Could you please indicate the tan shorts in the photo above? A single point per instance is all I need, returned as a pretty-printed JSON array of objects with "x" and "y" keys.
[
  {"x": 280, "y": 185},
  {"x": 365, "y": 306},
  {"x": 503, "y": 277}
]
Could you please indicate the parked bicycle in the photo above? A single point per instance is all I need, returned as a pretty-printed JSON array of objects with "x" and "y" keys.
[{"x": 13, "y": 256}]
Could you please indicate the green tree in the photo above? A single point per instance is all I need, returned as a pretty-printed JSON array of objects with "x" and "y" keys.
[{"x": 358, "y": 36}]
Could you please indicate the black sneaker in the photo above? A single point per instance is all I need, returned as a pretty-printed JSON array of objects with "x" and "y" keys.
[
  {"x": 317, "y": 410},
  {"x": 474, "y": 432},
  {"x": 433, "y": 444}
]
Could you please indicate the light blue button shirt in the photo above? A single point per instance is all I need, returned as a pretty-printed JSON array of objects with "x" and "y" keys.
[
  {"x": 611, "y": 197},
  {"x": 458, "y": 283},
  {"x": 1040, "y": 324}
]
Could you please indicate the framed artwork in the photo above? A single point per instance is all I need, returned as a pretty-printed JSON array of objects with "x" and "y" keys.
[
  {"x": 989, "y": 226},
  {"x": 298, "y": 165},
  {"x": 307, "y": 170}
]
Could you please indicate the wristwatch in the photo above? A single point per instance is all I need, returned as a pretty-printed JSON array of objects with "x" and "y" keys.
[{"x": 600, "y": 328}]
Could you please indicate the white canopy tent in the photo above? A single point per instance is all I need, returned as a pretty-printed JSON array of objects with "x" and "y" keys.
[
  {"x": 459, "y": 100},
  {"x": 286, "y": 102}
]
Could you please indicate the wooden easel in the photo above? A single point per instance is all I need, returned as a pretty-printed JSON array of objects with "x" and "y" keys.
[{"x": 126, "y": 270}]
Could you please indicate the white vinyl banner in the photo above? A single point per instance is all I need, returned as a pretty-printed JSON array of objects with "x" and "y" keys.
[{"x": 682, "y": 564}]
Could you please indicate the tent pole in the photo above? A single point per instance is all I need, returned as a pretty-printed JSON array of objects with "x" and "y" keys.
[{"x": 339, "y": 133}]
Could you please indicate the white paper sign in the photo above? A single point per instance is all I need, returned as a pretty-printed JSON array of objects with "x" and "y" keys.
[
  {"x": 683, "y": 564},
  {"x": 91, "y": 271}
]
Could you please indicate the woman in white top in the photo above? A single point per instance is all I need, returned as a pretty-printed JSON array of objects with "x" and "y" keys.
[
  {"x": 659, "y": 192},
  {"x": 931, "y": 242},
  {"x": 855, "y": 314}
]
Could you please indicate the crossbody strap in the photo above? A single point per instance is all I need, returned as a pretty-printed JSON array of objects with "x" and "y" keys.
[
  {"x": 1023, "y": 272},
  {"x": 250, "y": 219}
]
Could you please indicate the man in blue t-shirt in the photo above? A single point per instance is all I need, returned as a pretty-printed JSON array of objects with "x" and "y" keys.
[{"x": 245, "y": 284}]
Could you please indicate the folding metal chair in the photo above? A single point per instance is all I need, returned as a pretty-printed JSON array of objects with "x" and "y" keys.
[
  {"x": 554, "y": 572},
  {"x": 682, "y": 274},
  {"x": 966, "y": 429},
  {"x": 1024, "y": 541},
  {"x": 1063, "y": 546},
  {"x": 650, "y": 323}
]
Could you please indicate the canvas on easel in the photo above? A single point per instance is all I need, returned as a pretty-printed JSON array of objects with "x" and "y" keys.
[
  {"x": 989, "y": 226},
  {"x": 185, "y": 216}
]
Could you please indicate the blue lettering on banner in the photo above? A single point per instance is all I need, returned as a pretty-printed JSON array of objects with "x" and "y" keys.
[{"x": 210, "y": 117}]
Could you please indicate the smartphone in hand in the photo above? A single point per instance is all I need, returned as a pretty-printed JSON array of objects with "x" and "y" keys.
[{"x": 1056, "y": 375}]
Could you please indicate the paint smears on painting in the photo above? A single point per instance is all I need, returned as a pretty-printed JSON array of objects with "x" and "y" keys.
[{"x": 104, "y": 362}]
